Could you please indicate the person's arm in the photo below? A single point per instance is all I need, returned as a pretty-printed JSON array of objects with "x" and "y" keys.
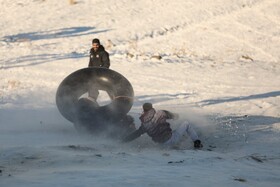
[
  {"x": 171, "y": 115},
  {"x": 89, "y": 63},
  {"x": 106, "y": 60},
  {"x": 134, "y": 135}
]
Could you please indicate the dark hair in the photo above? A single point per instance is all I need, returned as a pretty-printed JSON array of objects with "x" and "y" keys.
[
  {"x": 95, "y": 40},
  {"x": 147, "y": 106}
]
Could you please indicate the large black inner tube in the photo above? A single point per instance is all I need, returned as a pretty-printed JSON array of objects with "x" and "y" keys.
[{"x": 78, "y": 83}]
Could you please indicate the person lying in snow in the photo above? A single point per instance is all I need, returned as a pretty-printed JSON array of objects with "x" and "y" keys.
[
  {"x": 89, "y": 118},
  {"x": 155, "y": 125}
]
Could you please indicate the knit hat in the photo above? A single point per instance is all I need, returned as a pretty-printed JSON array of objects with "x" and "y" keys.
[
  {"x": 147, "y": 106},
  {"x": 95, "y": 40}
]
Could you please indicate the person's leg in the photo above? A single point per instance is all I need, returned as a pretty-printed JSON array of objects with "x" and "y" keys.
[
  {"x": 179, "y": 132},
  {"x": 191, "y": 132},
  {"x": 177, "y": 135},
  {"x": 93, "y": 93}
]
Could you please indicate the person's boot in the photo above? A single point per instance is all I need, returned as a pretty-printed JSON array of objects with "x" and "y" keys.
[{"x": 197, "y": 144}]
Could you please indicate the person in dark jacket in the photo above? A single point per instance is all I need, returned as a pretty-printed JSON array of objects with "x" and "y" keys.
[
  {"x": 155, "y": 125},
  {"x": 98, "y": 56}
]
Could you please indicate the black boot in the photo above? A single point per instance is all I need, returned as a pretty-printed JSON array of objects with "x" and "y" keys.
[{"x": 197, "y": 144}]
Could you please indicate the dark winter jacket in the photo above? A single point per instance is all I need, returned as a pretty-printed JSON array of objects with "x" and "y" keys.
[
  {"x": 99, "y": 58},
  {"x": 155, "y": 125}
]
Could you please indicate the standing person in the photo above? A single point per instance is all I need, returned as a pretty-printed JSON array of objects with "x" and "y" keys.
[
  {"x": 155, "y": 125},
  {"x": 98, "y": 58}
]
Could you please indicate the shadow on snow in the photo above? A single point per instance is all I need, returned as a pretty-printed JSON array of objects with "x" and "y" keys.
[
  {"x": 31, "y": 60},
  {"x": 241, "y": 98},
  {"x": 54, "y": 34}
]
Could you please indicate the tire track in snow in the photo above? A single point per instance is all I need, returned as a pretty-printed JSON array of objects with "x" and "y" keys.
[
  {"x": 193, "y": 24},
  {"x": 166, "y": 30}
]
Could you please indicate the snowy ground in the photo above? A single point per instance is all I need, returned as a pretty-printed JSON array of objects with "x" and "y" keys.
[{"x": 219, "y": 68}]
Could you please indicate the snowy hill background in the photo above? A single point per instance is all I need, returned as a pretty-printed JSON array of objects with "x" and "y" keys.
[{"x": 214, "y": 62}]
